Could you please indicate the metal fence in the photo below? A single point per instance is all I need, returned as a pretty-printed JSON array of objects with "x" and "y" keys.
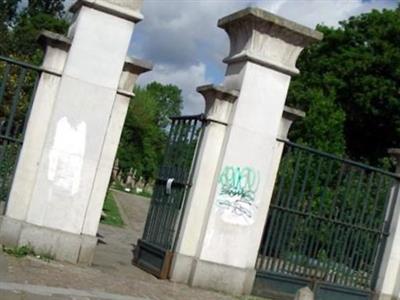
[
  {"x": 18, "y": 82},
  {"x": 328, "y": 219},
  {"x": 173, "y": 181}
]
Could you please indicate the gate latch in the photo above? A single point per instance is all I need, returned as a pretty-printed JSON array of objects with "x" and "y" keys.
[{"x": 168, "y": 188}]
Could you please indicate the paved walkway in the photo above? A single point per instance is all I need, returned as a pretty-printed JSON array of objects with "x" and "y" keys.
[{"x": 112, "y": 275}]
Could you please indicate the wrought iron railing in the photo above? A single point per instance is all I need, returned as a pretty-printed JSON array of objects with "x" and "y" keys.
[
  {"x": 18, "y": 82},
  {"x": 328, "y": 219},
  {"x": 166, "y": 206}
]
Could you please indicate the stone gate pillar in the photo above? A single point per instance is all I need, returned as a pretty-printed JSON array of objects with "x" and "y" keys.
[
  {"x": 73, "y": 132},
  {"x": 388, "y": 282},
  {"x": 221, "y": 254}
]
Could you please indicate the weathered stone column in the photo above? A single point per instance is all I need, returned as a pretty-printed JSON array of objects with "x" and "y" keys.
[
  {"x": 219, "y": 105},
  {"x": 132, "y": 69},
  {"x": 388, "y": 283},
  {"x": 60, "y": 214},
  {"x": 56, "y": 52},
  {"x": 264, "y": 50}
]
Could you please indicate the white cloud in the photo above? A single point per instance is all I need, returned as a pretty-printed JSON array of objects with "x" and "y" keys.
[
  {"x": 328, "y": 12},
  {"x": 186, "y": 79},
  {"x": 181, "y": 37}
]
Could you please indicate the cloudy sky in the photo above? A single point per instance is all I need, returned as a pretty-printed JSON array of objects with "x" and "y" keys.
[{"x": 183, "y": 41}]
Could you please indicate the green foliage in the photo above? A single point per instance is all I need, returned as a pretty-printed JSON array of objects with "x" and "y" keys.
[
  {"x": 49, "y": 7},
  {"x": 323, "y": 127},
  {"x": 144, "y": 134},
  {"x": 19, "y": 29},
  {"x": 169, "y": 101},
  {"x": 26, "y": 32},
  {"x": 356, "y": 69},
  {"x": 20, "y": 251},
  {"x": 330, "y": 213},
  {"x": 113, "y": 216},
  {"x": 14, "y": 104},
  {"x": 7, "y": 166},
  {"x": 20, "y": 26},
  {"x": 8, "y": 11}
]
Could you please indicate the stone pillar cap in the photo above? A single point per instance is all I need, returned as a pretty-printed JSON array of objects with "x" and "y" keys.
[
  {"x": 126, "y": 9},
  {"x": 53, "y": 39},
  {"x": 220, "y": 92},
  {"x": 293, "y": 114},
  {"x": 257, "y": 14},
  {"x": 266, "y": 39},
  {"x": 137, "y": 66}
]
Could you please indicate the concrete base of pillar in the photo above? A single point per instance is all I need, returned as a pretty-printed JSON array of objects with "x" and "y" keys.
[
  {"x": 63, "y": 246},
  {"x": 181, "y": 268},
  {"x": 222, "y": 278},
  {"x": 213, "y": 276},
  {"x": 385, "y": 297}
]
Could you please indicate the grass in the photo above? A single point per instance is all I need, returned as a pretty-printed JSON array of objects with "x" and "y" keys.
[
  {"x": 26, "y": 250},
  {"x": 113, "y": 216},
  {"x": 21, "y": 251}
]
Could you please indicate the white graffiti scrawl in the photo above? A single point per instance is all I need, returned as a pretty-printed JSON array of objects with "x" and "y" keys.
[{"x": 237, "y": 187}]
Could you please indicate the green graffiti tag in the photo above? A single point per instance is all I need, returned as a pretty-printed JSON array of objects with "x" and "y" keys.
[{"x": 238, "y": 187}]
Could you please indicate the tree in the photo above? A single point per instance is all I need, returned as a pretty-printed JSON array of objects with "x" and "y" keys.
[
  {"x": 169, "y": 101},
  {"x": 50, "y": 7},
  {"x": 323, "y": 126},
  {"x": 357, "y": 69},
  {"x": 8, "y": 13},
  {"x": 20, "y": 26},
  {"x": 144, "y": 134},
  {"x": 26, "y": 32}
]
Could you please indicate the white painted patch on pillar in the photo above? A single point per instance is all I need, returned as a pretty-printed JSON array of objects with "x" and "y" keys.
[{"x": 66, "y": 155}]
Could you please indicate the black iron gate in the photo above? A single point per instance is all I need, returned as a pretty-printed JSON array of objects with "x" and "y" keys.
[
  {"x": 327, "y": 226},
  {"x": 154, "y": 250},
  {"x": 17, "y": 88}
]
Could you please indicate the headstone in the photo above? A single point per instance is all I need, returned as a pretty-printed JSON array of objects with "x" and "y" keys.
[
  {"x": 304, "y": 294},
  {"x": 129, "y": 179},
  {"x": 115, "y": 169}
]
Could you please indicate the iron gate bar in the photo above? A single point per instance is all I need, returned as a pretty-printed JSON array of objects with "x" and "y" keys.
[
  {"x": 328, "y": 221},
  {"x": 164, "y": 220},
  {"x": 160, "y": 227},
  {"x": 202, "y": 119},
  {"x": 18, "y": 84},
  {"x": 334, "y": 157},
  {"x": 25, "y": 65}
]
